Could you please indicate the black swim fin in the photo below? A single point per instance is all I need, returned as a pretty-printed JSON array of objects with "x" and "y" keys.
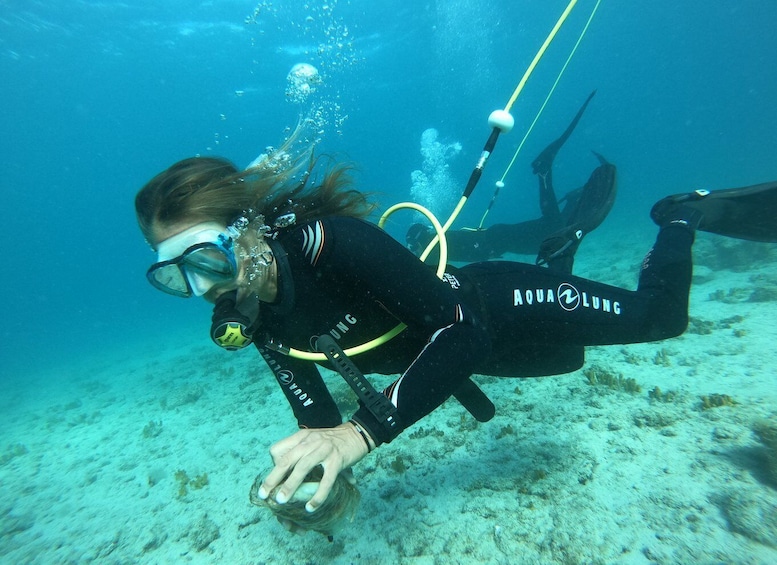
[
  {"x": 542, "y": 166},
  {"x": 744, "y": 213},
  {"x": 544, "y": 161},
  {"x": 596, "y": 198},
  {"x": 586, "y": 209}
]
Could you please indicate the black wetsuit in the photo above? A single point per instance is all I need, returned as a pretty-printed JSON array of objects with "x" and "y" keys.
[{"x": 348, "y": 278}]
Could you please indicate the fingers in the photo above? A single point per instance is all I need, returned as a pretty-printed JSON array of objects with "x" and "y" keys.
[
  {"x": 294, "y": 458},
  {"x": 278, "y": 452},
  {"x": 302, "y": 467},
  {"x": 324, "y": 488},
  {"x": 282, "y": 447},
  {"x": 334, "y": 449}
]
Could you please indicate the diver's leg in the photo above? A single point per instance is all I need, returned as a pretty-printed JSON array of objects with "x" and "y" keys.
[
  {"x": 523, "y": 238},
  {"x": 549, "y": 207},
  {"x": 549, "y": 307},
  {"x": 542, "y": 166},
  {"x": 463, "y": 245},
  {"x": 473, "y": 245},
  {"x": 584, "y": 211},
  {"x": 529, "y": 306}
]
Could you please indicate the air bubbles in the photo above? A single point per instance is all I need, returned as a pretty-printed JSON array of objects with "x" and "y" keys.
[
  {"x": 301, "y": 82},
  {"x": 433, "y": 185},
  {"x": 317, "y": 32}
]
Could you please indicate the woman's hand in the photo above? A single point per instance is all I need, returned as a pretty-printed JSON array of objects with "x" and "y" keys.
[{"x": 335, "y": 449}]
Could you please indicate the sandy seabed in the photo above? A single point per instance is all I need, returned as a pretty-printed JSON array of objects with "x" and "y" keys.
[{"x": 150, "y": 458}]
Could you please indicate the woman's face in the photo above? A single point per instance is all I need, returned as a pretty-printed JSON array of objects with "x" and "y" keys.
[{"x": 173, "y": 240}]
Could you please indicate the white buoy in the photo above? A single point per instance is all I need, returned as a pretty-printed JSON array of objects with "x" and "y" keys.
[{"x": 501, "y": 119}]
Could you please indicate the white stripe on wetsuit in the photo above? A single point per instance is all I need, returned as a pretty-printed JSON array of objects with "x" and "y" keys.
[
  {"x": 393, "y": 390},
  {"x": 313, "y": 242}
]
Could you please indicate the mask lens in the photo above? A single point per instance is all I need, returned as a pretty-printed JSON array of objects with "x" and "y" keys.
[
  {"x": 193, "y": 262},
  {"x": 169, "y": 278},
  {"x": 211, "y": 261}
]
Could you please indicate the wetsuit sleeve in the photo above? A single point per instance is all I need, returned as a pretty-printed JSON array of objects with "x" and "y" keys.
[
  {"x": 304, "y": 389},
  {"x": 361, "y": 258}
]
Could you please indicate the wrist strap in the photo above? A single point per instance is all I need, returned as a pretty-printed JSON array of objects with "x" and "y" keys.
[{"x": 377, "y": 403}]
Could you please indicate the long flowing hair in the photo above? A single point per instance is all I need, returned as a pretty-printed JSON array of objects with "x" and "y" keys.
[{"x": 203, "y": 189}]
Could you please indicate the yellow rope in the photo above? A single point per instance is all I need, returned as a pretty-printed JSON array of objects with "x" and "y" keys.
[
  {"x": 542, "y": 108},
  {"x": 552, "y": 89},
  {"x": 539, "y": 55}
]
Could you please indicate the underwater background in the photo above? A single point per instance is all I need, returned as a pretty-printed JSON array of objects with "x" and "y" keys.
[{"x": 98, "y": 97}]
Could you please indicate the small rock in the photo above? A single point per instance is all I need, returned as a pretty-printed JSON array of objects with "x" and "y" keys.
[
  {"x": 203, "y": 533},
  {"x": 724, "y": 433},
  {"x": 752, "y": 514}
]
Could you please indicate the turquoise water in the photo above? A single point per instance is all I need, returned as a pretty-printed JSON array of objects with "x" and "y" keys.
[{"x": 98, "y": 97}]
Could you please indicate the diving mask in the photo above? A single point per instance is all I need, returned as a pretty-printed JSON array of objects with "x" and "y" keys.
[{"x": 194, "y": 261}]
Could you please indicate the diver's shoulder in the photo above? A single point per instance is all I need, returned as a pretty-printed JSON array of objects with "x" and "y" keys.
[
  {"x": 341, "y": 224},
  {"x": 323, "y": 233}
]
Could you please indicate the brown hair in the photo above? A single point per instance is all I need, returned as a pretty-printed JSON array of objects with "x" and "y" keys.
[{"x": 202, "y": 189}]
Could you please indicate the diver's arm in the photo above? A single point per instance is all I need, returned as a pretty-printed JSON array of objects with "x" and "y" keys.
[
  {"x": 324, "y": 439},
  {"x": 359, "y": 258},
  {"x": 363, "y": 258},
  {"x": 335, "y": 449},
  {"x": 304, "y": 389}
]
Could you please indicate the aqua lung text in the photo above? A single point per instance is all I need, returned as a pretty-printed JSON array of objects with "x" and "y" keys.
[
  {"x": 343, "y": 326},
  {"x": 286, "y": 378},
  {"x": 567, "y": 297}
]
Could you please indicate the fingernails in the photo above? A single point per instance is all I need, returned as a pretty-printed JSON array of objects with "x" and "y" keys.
[
  {"x": 310, "y": 508},
  {"x": 281, "y": 498},
  {"x": 263, "y": 494}
]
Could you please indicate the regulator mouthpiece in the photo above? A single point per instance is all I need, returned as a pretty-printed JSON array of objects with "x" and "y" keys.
[{"x": 230, "y": 328}]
